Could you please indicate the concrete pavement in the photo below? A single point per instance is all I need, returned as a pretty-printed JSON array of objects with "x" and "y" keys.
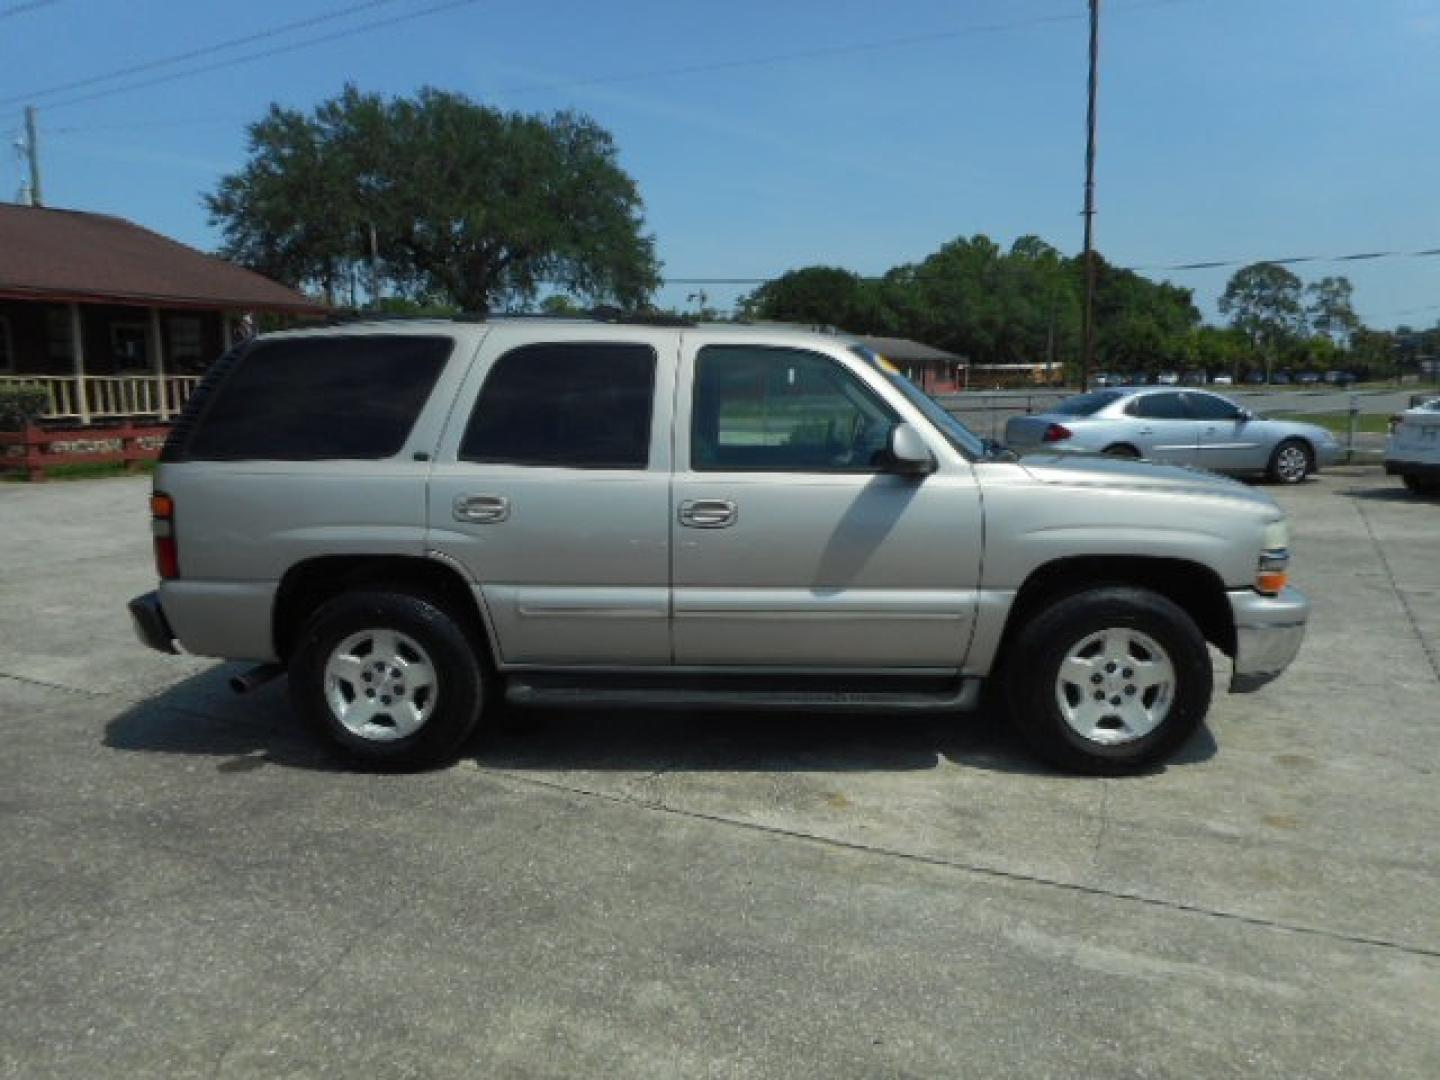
[{"x": 190, "y": 886}]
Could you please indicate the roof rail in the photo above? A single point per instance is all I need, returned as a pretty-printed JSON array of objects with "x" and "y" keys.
[
  {"x": 607, "y": 314},
  {"x": 603, "y": 314}
]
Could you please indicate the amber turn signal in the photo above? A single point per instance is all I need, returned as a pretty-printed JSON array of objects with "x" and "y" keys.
[{"x": 1271, "y": 582}]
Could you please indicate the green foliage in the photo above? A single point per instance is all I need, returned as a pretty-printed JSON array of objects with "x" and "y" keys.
[
  {"x": 978, "y": 300},
  {"x": 21, "y": 404},
  {"x": 1331, "y": 310},
  {"x": 467, "y": 205},
  {"x": 1263, "y": 303},
  {"x": 560, "y": 304}
]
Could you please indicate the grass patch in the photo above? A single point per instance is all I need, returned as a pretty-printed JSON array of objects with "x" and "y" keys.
[
  {"x": 1339, "y": 423},
  {"x": 84, "y": 471}
]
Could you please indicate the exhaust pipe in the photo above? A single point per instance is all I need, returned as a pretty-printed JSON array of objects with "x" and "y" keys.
[{"x": 254, "y": 678}]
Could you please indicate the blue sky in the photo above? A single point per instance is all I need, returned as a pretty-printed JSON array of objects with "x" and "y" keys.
[{"x": 1228, "y": 128}]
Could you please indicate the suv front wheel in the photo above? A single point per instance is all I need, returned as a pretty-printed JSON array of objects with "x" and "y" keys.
[
  {"x": 1109, "y": 680},
  {"x": 393, "y": 678}
]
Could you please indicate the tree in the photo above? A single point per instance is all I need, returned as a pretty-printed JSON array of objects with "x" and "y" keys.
[
  {"x": 1331, "y": 310},
  {"x": 1263, "y": 303},
  {"x": 462, "y": 203},
  {"x": 815, "y": 296},
  {"x": 1140, "y": 325}
]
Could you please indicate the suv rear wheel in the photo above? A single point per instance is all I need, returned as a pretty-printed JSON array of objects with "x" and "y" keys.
[
  {"x": 393, "y": 678},
  {"x": 1108, "y": 680}
]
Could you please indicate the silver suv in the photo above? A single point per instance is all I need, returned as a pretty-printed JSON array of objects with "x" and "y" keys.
[{"x": 417, "y": 521}]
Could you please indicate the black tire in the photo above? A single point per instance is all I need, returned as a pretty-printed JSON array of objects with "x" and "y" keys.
[
  {"x": 1421, "y": 485},
  {"x": 1123, "y": 450},
  {"x": 1280, "y": 469},
  {"x": 1032, "y": 672},
  {"x": 453, "y": 653}
]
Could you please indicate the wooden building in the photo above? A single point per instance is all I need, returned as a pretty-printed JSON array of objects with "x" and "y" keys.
[{"x": 116, "y": 321}]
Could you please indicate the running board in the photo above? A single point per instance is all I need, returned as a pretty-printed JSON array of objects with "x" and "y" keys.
[{"x": 960, "y": 695}]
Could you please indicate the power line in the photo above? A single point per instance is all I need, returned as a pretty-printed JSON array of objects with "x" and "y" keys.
[
  {"x": 145, "y": 125},
  {"x": 203, "y": 50},
  {"x": 1290, "y": 260},
  {"x": 825, "y": 52},
  {"x": 21, "y": 9},
  {"x": 248, "y": 58},
  {"x": 721, "y": 65},
  {"x": 1207, "y": 265}
]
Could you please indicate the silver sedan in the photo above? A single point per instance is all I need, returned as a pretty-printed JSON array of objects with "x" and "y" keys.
[{"x": 1179, "y": 427}]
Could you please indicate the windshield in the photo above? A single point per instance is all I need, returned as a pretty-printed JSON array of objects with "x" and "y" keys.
[
  {"x": 1086, "y": 404},
  {"x": 956, "y": 433}
]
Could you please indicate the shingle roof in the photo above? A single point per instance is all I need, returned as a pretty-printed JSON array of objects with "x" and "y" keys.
[
  {"x": 72, "y": 255},
  {"x": 900, "y": 349}
]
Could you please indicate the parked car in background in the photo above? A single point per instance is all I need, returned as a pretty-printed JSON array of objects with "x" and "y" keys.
[
  {"x": 1223, "y": 380},
  {"x": 1254, "y": 378},
  {"x": 1168, "y": 378},
  {"x": 1280, "y": 378},
  {"x": 1308, "y": 378},
  {"x": 1194, "y": 378},
  {"x": 1178, "y": 427},
  {"x": 1102, "y": 378},
  {"x": 417, "y": 520},
  {"x": 1413, "y": 450}
]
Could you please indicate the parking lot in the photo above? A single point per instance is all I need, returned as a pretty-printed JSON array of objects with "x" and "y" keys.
[{"x": 188, "y": 885}]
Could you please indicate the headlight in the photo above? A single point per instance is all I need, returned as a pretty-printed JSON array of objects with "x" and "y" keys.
[{"x": 1272, "y": 571}]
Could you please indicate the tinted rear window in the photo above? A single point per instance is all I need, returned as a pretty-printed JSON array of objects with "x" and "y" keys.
[
  {"x": 1160, "y": 407},
  {"x": 580, "y": 405},
  {"x": 303, "y": 399},
  {"x": 1086, "y": 404}
]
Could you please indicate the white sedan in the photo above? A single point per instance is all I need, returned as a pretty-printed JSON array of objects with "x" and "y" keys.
[{"x": 1413, "y": 450}]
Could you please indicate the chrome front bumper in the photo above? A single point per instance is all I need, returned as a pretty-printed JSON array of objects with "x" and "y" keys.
[{"x": 1268, "y": 633}]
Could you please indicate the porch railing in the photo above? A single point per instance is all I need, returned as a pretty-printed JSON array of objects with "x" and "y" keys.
[{"x": 104, "y": 397}]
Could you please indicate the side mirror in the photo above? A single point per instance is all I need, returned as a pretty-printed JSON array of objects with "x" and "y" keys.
[
  {"x": 907, "y": 453},
  {"x": 1245, "y": 415}
]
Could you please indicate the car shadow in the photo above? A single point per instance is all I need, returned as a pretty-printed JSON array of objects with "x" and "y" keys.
[
  {"x": 1398, "y": 493},
  {"x": 201, "y": 716},
  {"x": 776, "y": 742}
]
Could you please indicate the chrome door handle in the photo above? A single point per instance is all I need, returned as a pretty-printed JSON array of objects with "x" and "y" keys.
[
  {"x": 708, "y": 513},
  {"x": 1147, "y": 431},
  {"x": 481, "y": 509}
]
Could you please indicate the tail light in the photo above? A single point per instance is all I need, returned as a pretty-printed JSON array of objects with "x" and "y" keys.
[
  {"x": 1056, "y": 433},
  {"x": 162, "y": 524}
]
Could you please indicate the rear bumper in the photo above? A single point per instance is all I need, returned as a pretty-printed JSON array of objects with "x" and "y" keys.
[
  {"x": 222, "y": 618},
  {"x": 1268, "y": 634},
  {"x": 151, "y": 626},
  {"x": 1426, "y": 470}
]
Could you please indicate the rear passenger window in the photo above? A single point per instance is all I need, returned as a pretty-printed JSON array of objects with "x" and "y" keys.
[
  {"x": 1159, "y": 407},
  {"x": 583, "y": 405},
  {"x": 1210, "y": 407},
  {"x": 302, "y": 399}
]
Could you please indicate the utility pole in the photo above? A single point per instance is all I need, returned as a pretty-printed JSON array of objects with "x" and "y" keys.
[
  {"x": 1087, "y": 362},
  {"x": 32, "y": 151},
  {"x": 374, "y": 268}
]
